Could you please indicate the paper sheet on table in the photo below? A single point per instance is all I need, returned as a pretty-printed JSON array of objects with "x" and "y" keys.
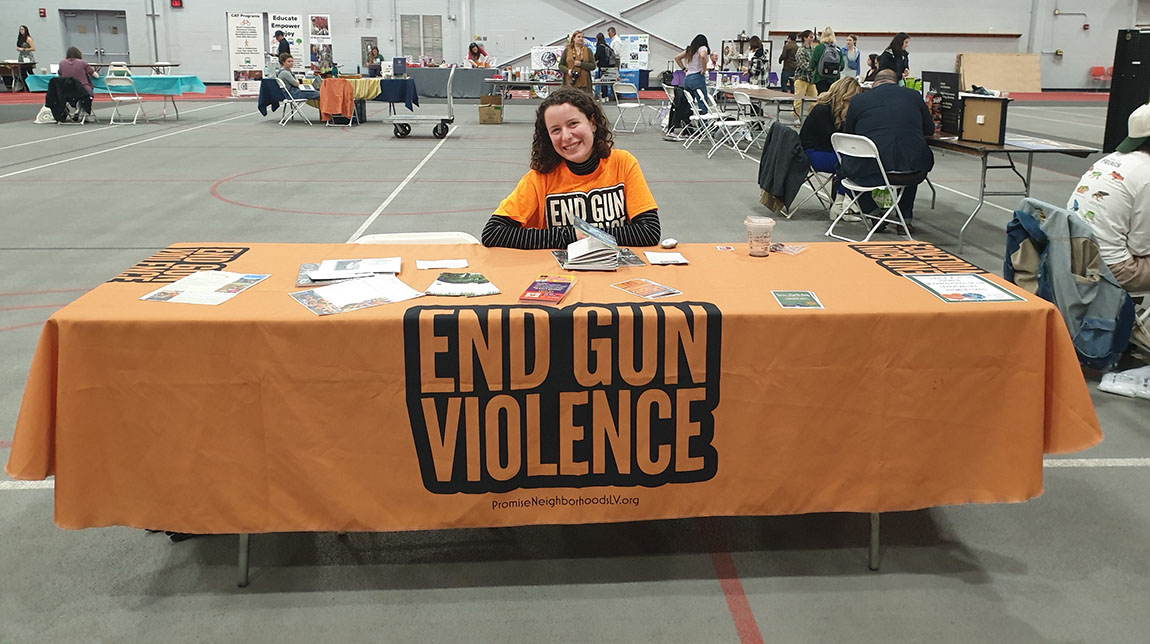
[{"x": 206, "y": 287}]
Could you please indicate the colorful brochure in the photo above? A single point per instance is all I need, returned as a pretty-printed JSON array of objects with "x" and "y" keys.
[
  {"x": 207, "y": 287},
  {"x": 646, "y": 288},
  {"x": 548, "y": 289},
  {"x": 356, "y": 294},
  {"x": 963, "y": 288},
  {"x": 797, "y": 299},
  {"x": 462, "y": 284}
]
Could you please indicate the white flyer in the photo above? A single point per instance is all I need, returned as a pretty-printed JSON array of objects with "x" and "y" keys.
[
  {"x": 963, "y": 288},
  {"x": 355, "y": 294},
  {"x": 335, "y": 269},
  {"x": 656, "y": 257},
  {"x": 206, "y": 287},
  {"x": 424, "y": 264}
]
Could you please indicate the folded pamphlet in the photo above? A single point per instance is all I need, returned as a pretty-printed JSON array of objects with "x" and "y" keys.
[
  {"x": 462, "y": 284},
  {"x": 355, "y": 294},
  {"x": 334, "y": 269},
  {"x": 205, "y": 287},
  {"x": 548, "y": 289}
]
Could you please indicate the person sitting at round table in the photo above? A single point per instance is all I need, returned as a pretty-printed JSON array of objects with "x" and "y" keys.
[
  {"x": 74, "y": 66},
  {"x": 294, "y": 88},
  {"x": 476, "y": 56},
  {"x": 575, "y": 171}
]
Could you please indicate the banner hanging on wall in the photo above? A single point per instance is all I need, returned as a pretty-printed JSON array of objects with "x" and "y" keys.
[
  {"x": 319, "y": 29},
  {"x": 245, "y": 53},
  {"x": 294, "y": 33}
]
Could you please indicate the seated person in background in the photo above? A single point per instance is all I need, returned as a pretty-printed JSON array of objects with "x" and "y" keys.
[
  {"x": 574, "y": 171},
  {"x": 374, "y": 63},
  {"x": 897, "y": 120},
  {"x": 476, "y": 56},
  {"x": 1114, "y": 198},
  {"x": 826, "y": 118},
  {"x": 74, "y": 66},
  {"x": 289, "y": 79},
  {"x": 872, "y": 68}
]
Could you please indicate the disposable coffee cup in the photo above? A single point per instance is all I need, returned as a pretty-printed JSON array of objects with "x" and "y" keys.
[{"x": 759, "y": 235}]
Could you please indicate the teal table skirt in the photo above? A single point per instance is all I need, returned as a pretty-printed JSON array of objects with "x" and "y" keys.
[{"x": 163, "y": 85}]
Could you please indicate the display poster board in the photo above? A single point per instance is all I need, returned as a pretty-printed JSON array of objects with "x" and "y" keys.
[
  {"x": 948, "y": 85},
  {"x": 245, "y": 53},
  {"x": 292, "y": 26},
  {"x": 546, "y": 57},
  {"x": 635, "y": 52},
  {"x": 319, "y": 35}
]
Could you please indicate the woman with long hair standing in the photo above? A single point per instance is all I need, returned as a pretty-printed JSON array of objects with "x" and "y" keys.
[
  {"x": 577, "y": 62},
  {"x": 24, "y": 48},
  {"x": 575, "y": 169},
  {"x": 896, "y": 57},
  {"x": 851, "y": 55},
  {"x": 693, "y": 61}
]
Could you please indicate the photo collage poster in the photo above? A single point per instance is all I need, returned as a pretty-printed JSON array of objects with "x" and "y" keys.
[
  {"x": 636, "y": 51},
  {"x": 319, "y": 28}
]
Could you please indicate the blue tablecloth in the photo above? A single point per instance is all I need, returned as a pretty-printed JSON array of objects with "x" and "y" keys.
[
  {"x": 162, "y": 85},
  {"x": 398, "y": 90}
]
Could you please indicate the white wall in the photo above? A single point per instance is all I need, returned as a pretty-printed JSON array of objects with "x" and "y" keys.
[{"x": 512, "y": 27}]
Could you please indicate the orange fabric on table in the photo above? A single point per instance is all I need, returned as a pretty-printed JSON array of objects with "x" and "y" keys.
[
  {"x": 336, "y": 97},
  {"x": 259, "y": 416}
]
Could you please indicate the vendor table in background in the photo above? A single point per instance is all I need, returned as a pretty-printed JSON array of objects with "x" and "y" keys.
[
  {"x": 468, "y": 83},
  {"x": 259, "y": 416},
  {"x": 12, "y": 72},
  {"x": 157, "y": 68},
  {"x": 1014, "y": 144},
  {"x": 164, "y": 85}
]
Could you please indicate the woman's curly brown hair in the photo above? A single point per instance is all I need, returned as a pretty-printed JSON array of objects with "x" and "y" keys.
[{"x": 544, "y": 158}]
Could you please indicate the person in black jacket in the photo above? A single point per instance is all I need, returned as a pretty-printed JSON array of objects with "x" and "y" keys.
[
  {"x": 284, "y": 46},
  {"x": 603, "y": 62},
  {"x": 895, "y": 57},
  {"x": 897, "y": 120}
]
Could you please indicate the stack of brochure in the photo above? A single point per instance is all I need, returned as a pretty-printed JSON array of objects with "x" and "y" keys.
[
  {"x": 342, "y": 269},
  {"x": 598, "y": 251}
]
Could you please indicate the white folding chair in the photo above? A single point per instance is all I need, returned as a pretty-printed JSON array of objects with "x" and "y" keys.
[
  {"x": 119, "y": 69},
  {"x": 122, "y": 91},
  {"x": 682, "y": 133},
  {"x": 728, "y": 127},
  {"x": 857, "y": 146},
  {"x": 747, "y": 112},
  {"x": 161, "y": 68},
  {"x": 704, "y": 123},
  {"x": 820, "y": 184},
  {"x": 632, "y": 102},
  {"x": 291, "y": 105},
  {"x": 418, "y": 238}
]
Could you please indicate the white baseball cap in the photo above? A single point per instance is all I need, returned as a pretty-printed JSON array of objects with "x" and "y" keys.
[{"x": 1138, "y": 129}]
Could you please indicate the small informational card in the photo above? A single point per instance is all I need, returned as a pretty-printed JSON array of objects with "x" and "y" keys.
[
  {"x": 335, "y": 269},
  {"x": 356, "y": 294},
  {"x": 788, "y": 248},
  {"x": 963, "y": 288},
  {"x": 646, "y": 288},
  {"x": 462, "y": 285},
  {"x": 660, "y": 258},
  {"x": 441, "y": 264},
  {"x": 724, "y": 248},
  {"x": 206, "y": 287},
  {"x": 797, "y": 299}
]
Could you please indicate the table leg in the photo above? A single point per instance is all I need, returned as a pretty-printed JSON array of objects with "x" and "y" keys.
[
  {"x": 1029, "y": 167},
  {"x": 933, "y": 194},
  {"x": 873, "y": 558},
  {"x": 245, "y": 550},
  {"x": 981, "y": 200}
]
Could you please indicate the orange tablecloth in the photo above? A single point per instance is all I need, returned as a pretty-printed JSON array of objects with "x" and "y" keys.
[{"x": 258, "y": 416}]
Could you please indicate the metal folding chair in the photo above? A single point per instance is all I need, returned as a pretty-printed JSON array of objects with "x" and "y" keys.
[
  {"x": 858, "y": 146},
  {"x": 291, "y": 105},
  {"x": 122, "y": 91},
  {"x": 632, "y": 102}
]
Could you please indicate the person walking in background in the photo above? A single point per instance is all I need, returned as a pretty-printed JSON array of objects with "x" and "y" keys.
[
  {"x": 759, "y": 67},
  {"x": 787, "y": 58},
  {"x": 804, "y": 86},
  {"x": 577, "y": 62},
  {"x": 693, "y": 60},
  {"x": 74, "y": 66},
  {"x": 896, "y": 57},
  {"x": 851, "y": 56},
  {"x": 607, "y": 63},
  {"x": 826, "y": 61}
]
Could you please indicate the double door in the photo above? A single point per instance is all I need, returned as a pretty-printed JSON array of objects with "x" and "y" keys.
[{"x": 102, "y": 36}]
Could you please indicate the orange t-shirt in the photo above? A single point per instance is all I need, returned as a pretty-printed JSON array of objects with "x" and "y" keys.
[{"x": 614, "y": 191}]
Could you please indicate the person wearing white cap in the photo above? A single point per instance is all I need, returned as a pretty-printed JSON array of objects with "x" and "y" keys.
[{"x": 1114, "y": 198}]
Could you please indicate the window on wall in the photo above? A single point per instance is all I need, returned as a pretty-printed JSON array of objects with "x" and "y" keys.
[
  {"x": 422, "y": 36},
  {"x": 1143, "y": 18}
]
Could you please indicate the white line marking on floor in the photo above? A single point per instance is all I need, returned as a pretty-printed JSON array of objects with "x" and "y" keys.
[
  {"x": 1063, "y": 121},
  {"x": 121, "y": 147},
  {"x": 1096, "y": 462},
  {"x": 27, "y": 485},
  {"x": 386, "y": 202},
  {"x": 971, "y": 197},
  {"x": 1074, "y": 114},
  {"x": 90, "y": 130}
]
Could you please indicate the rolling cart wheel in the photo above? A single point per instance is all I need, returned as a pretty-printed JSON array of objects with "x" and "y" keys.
[
  {"x": 440, "y": 131},
  {"x": 402, "y": 129}
]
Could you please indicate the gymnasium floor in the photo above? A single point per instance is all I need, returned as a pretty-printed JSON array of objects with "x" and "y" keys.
[{"x": 82, "y": 203}]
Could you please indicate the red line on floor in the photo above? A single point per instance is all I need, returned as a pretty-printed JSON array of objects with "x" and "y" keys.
[
  {"x": 61, "y": 290},
  {"x": 5, "y": 444},
  {"x": 20, "y": 326},
  {"x": 26, "y": 307},
  {"x": 737, "y": 603}
]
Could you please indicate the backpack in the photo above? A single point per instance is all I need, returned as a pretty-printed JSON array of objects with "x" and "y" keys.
[
  {"x": 612, "y": 57},
  {"x": 830, "y": 62}
]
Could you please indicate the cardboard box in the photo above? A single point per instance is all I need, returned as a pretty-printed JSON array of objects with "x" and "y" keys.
[
  {"x": 490, "y": 110},
  {"x": 983, "y": 118}
]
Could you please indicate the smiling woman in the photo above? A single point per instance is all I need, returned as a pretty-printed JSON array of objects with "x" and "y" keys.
[{"x": 575, "y": 172}]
